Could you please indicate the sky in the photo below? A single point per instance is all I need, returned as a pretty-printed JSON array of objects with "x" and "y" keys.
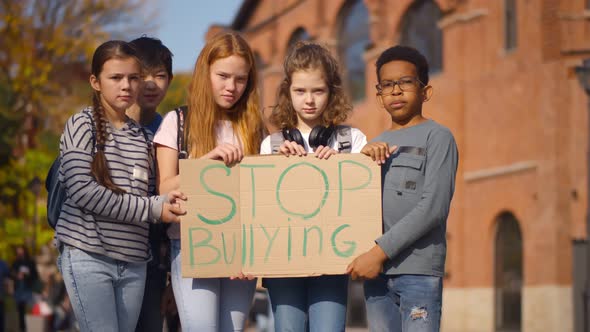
[{"x": 182, "y": 25}]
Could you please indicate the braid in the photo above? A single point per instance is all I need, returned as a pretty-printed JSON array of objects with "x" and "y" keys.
[{"x": 100, "y": 169}]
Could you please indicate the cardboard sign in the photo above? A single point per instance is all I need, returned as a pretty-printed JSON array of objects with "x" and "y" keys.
[{"x": 274, "y": 216}]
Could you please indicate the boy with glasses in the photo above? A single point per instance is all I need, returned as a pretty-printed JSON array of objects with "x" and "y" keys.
[{"x": 404, "y": 270}]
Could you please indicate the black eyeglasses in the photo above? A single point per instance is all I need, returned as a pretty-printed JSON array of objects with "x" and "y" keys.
[{"x": 406, "y": 84}]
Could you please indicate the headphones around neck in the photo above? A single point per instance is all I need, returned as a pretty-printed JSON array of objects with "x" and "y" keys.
[{"x": 319, "y": 135}]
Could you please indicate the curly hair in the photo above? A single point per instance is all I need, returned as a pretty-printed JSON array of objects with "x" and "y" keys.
[{"x": 310, "y": 56}]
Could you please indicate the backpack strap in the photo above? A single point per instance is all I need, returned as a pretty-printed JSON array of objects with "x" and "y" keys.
[
  {"x": 146, "y": 136},
  {"x": 180, "y": 115},
  {"x": 344, "y": 138},
  {"x": 93, "y": 129},
  {"x": 276, "y": 139}
]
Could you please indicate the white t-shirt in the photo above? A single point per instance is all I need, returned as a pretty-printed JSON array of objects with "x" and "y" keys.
[
  {"x": 359, "y": 140},
  {"x": 167, "y": 136}
]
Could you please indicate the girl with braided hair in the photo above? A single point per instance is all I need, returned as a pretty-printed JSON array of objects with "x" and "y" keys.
[{"x": 108, "y": 169}]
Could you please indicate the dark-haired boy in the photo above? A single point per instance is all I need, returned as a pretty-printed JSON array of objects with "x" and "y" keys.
[
  {"x": 156, "y": 60},
  {"x": 404, "y": 270}
]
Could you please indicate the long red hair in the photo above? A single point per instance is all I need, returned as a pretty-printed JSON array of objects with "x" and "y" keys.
[{"x": 204, "y": 114}]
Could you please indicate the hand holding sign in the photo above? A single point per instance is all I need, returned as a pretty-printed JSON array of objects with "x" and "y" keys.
[
  {"x": 292, "y": 148},
  {"x": 273, "y": 216},
  {"x": 230, "y": 154},
  {"x": 324, "y": 152},
  {"x": 171, "y": 209},
  {"x": 367, "y": 265},
  {"x": 378, "y": 151}
]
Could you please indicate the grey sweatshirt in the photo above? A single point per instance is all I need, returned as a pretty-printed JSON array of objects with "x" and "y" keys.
[{"x": 418, "y": 184}]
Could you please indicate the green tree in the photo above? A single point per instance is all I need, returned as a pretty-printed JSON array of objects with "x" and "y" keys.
[
  {"x": 177, "y": 92},
  {"x": 18, "y": 202},
  {"x": 45, "y": 51},
  {"x": 45, "y": 46}
]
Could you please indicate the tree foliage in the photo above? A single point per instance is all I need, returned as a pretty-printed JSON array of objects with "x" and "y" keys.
[
  {"x": 45, "y": 54},
  {"x": 45, "y": 48},
  {"x": 177, "y": 93}
]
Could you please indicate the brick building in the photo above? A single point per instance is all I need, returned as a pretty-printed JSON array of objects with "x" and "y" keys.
[{"x": 503, "y": 80}]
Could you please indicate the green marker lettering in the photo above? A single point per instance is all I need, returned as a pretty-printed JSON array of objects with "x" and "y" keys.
[
  {"x": 243, "y": 244},
  {"x": 305, "y": 232},
  {"x": 233, "y": 255},
  {"x": 251, "y": 245},
  {"x": 324, "y": 198},
  {"x": 203, "y": 243},
  {"x": 351, "y": 244},
  {"x": 253, "y": 181},
  {"x": 289, "y": 245},
  {"x": 232, "y": 213},
  {"x": 270, "y": 241},
  {"x": 340, "y": 188}
]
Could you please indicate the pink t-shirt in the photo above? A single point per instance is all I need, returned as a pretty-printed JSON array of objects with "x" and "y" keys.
[
  {"x": 168, "y": 132},
  {"x": 167, "y": 136}
]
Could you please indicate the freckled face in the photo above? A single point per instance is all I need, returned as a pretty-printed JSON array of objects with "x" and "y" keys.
[{"x": 229, "y": 78}]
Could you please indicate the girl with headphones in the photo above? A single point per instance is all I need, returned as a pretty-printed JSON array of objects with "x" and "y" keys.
[{"x": 310, "y": 112}]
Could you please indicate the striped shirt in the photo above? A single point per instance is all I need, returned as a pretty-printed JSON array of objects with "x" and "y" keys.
[{"x": 94, "y": 218}]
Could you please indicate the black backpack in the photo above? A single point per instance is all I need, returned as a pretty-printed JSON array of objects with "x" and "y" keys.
[
  {"x": 180, "y": 115},
  {"x": 56, "y": 191}
]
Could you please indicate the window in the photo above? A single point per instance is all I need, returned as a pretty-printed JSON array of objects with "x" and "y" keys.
[
  {"x": 508, "y": 274},
  {"x": 420, "y": 30},
  {"x": 353, "y": 41},
  {"x": 510, "y": 40}
]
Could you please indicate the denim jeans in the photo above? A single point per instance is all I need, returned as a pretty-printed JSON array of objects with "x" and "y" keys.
[
  {"x": 209, "y": 304},
  {"x": 105, "y": 293},
  {"x": 404, "y": 303},
  {"x": 321, "y": 300}
]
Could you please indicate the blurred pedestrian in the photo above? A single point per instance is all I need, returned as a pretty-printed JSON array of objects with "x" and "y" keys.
[
  {"x": 4, "y": 277},
  {"x": 26, "y": 278}
]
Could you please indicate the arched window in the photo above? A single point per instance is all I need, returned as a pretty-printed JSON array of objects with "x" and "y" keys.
[
  {"x": 508, "y": 274},
  {"x": 420, "y": 30},
  {"x": 297, "y": 35},
  {"x": 510, "y": 24},
  {"x": 352, "y": 42}
]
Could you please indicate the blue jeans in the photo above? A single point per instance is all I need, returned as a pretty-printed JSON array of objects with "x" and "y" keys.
[
  {"x": 105, "y": 293},
  {"x": 321, "y": 298},
  {"x": 209, "y": 304},
  {"x": 404, "y": 303}
]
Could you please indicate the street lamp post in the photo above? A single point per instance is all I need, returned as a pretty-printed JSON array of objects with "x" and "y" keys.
[
  {"x": 583, "y": 73},
  {"x": 35, "y": 187}
]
